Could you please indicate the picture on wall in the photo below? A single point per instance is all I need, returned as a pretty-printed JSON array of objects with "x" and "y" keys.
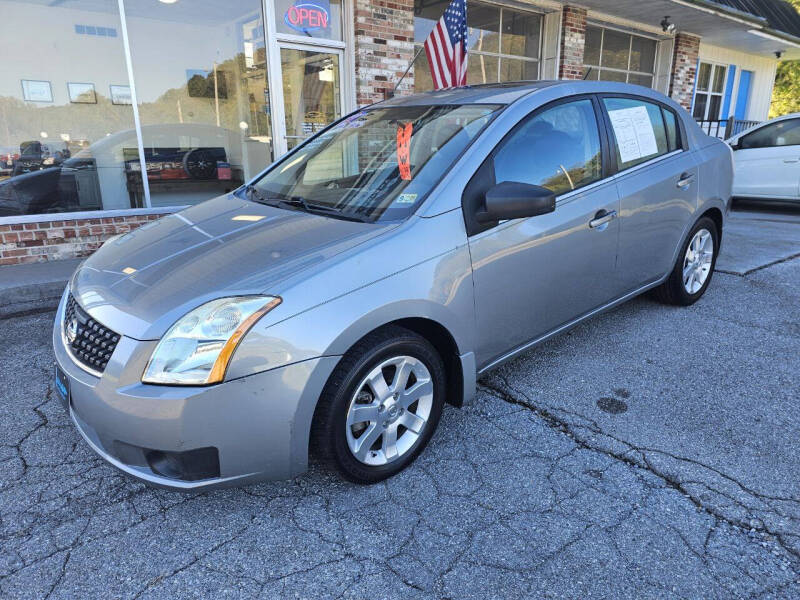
[
  {"x": 36, "y": 91},
  {"x": 121, "y": 94},
  {"x": 200, "y": 83},
  {"x": 82, "y": 93}
]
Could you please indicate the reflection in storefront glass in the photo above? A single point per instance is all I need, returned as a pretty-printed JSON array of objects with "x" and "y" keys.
[
  {"x": 310, "y": 91},
  {"x": 203, "y": 99},
  {"x": 65, "y": 109}
]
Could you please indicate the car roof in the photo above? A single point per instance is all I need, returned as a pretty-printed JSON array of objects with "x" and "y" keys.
[
  {"x": 512, "y": 91},
  {"x": 488, "y": 93}
]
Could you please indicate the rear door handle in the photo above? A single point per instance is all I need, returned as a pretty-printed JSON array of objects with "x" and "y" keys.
[
  {"x": 685, "y": 180},
  {"x": 791, "y": 160},
  {"x": 602, "y": 218}
]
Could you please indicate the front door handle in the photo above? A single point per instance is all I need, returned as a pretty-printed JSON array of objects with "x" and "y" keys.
[
  {"x": 602, "y": 218},
  {"x": 685, "y": 181},
  {"x": 791, "y": 160}
]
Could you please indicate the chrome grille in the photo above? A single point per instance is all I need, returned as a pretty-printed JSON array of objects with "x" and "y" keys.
[{"x": 89, "y": 342}]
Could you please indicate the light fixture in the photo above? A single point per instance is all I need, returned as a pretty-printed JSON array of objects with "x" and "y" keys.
[
  {"x": 778, "y": 54},
  {"x": 666, "y": 26},
  {"x": 43, "y": 134},
  {"x": 168, "y": 1}
]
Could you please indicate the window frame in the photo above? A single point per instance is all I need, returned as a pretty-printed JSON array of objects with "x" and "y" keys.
[
  {"x": 708, "y": 93},
  {"x": 606, "y": 158},
  {"x": 628, "y": 72},
  {"x": 680, "y": 130},
  {"x": 499, "y": 55}
]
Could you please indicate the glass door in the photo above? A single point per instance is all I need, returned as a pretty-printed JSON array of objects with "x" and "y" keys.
[{"x": 312, "y": 91}]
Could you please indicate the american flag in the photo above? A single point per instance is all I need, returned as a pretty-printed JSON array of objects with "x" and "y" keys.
[{"x": 446, "y": 47}]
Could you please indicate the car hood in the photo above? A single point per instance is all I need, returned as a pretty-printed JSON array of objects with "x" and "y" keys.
[{"x": 141, "y": 283}]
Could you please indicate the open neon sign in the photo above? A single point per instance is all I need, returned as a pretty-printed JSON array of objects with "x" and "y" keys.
[{"x": 307, "y": 16}]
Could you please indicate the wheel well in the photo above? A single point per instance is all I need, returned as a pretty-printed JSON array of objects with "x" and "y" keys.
[
  {"x": 715, "y": 215},
  {"x": 447, "y": 348}
]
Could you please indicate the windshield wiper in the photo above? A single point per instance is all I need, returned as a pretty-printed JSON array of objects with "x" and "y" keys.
[
  {"x": 309, "y": 207},
  {"x": 295, "y": 202}
]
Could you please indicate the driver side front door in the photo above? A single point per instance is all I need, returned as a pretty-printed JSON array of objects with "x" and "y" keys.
[{"x": 534, "y": 275}]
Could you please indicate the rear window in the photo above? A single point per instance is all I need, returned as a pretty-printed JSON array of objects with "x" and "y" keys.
[{"x": 639, "y": 131}]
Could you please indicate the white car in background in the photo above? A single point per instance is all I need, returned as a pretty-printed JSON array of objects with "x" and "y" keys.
[{"x": 767, "y": 160}]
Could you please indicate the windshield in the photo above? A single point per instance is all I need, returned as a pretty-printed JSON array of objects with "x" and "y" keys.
[{"x": 377, "y": 164}]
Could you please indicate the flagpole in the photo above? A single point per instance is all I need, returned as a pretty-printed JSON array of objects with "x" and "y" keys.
[{"x": 411, "y": 64}]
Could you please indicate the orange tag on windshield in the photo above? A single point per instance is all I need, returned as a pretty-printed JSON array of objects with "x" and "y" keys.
[{"x": 403, "y": 150}]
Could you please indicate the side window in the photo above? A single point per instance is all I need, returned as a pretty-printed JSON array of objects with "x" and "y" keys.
[
  {"x": 559, "y": 149},
  {"x": 782, "y": 133},
  {"x": 673, "y": 136},
  {"x": 639, "y": 131}
]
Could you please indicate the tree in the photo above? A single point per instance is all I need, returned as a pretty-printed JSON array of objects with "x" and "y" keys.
[{"x": 786, "y": 94}]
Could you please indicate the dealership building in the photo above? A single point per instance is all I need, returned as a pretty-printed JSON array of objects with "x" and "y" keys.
[{"x": 201, "y": 95}]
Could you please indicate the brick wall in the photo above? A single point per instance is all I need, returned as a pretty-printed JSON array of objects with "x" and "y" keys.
[
  {"x": 573, "y": 40},
  {"x": 53, "y": 240},
  {"x": 384, "y": 47},
  {"x": 684, "y": 69}
]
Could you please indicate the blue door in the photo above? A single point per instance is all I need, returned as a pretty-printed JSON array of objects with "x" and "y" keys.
[{"x": 743, "y": 97}]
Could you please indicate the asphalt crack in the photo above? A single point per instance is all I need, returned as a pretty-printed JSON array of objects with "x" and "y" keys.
[{"x": 636, "y": 457}]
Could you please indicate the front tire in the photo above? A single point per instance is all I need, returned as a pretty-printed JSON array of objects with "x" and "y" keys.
[
  {"x": 694, "y": 267},
  {"x": 380, "y": 406}
]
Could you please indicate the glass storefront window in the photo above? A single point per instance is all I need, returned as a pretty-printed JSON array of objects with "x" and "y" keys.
[
  {"x": 202, "y": 98},
  {"x": 172, "y": 109},
  {"x": 504, "y": 43},
  {"x": 65, "y": 109},
  {"x": 611, "y": 55},
  {"x": 309, "y": 18}
]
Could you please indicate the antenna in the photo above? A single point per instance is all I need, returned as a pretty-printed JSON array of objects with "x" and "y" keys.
[{"x": 411, "y": 64}]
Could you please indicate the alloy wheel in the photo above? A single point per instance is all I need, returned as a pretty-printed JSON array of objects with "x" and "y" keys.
[
  {"x": 697, "y": 261},
  {"x": 389, "y": 410}
]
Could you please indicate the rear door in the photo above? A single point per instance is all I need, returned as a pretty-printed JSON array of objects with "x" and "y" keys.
[
  {"x": 532, "y": 275},
  {"x": 767, "y": 161},
  {"x": 657, "y": 185}
]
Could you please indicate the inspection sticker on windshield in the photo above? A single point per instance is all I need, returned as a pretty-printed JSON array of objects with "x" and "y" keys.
[
  {"x": 406, "y": 198},
  {"x": 634, "y": 133}
]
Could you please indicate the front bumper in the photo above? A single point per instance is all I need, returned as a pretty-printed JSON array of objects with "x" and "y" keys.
[{"x": 254, "y": 428}]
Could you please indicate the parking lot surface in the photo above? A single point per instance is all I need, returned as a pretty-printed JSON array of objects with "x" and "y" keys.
[{"x": 651, "y": 452}]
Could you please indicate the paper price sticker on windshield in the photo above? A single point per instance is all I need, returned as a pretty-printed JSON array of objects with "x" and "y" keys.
[
  {"x": 634, "y": 133},
  {"x": 403, "y": 150}
]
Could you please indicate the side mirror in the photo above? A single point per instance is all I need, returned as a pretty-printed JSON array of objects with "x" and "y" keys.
[
  {"x": 735, "y": 144},
  {"x": 513, "y": 200}
]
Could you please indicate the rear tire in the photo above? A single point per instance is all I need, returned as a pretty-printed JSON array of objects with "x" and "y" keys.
[
  {"x": 694, "y": 267},
  {"x": 380, "y": 406}
]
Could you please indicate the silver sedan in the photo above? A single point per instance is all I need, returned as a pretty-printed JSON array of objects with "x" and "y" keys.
[{"x": 335, "y": 303}]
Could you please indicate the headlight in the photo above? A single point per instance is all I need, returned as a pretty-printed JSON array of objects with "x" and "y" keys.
[{"x": 197, "y": 349}]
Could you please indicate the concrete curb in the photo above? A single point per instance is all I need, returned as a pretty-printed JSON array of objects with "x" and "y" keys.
[{"x": 34, "y": 287}]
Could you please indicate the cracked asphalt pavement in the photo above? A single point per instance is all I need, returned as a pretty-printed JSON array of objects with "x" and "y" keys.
[{"x": 651, "y": 452}]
